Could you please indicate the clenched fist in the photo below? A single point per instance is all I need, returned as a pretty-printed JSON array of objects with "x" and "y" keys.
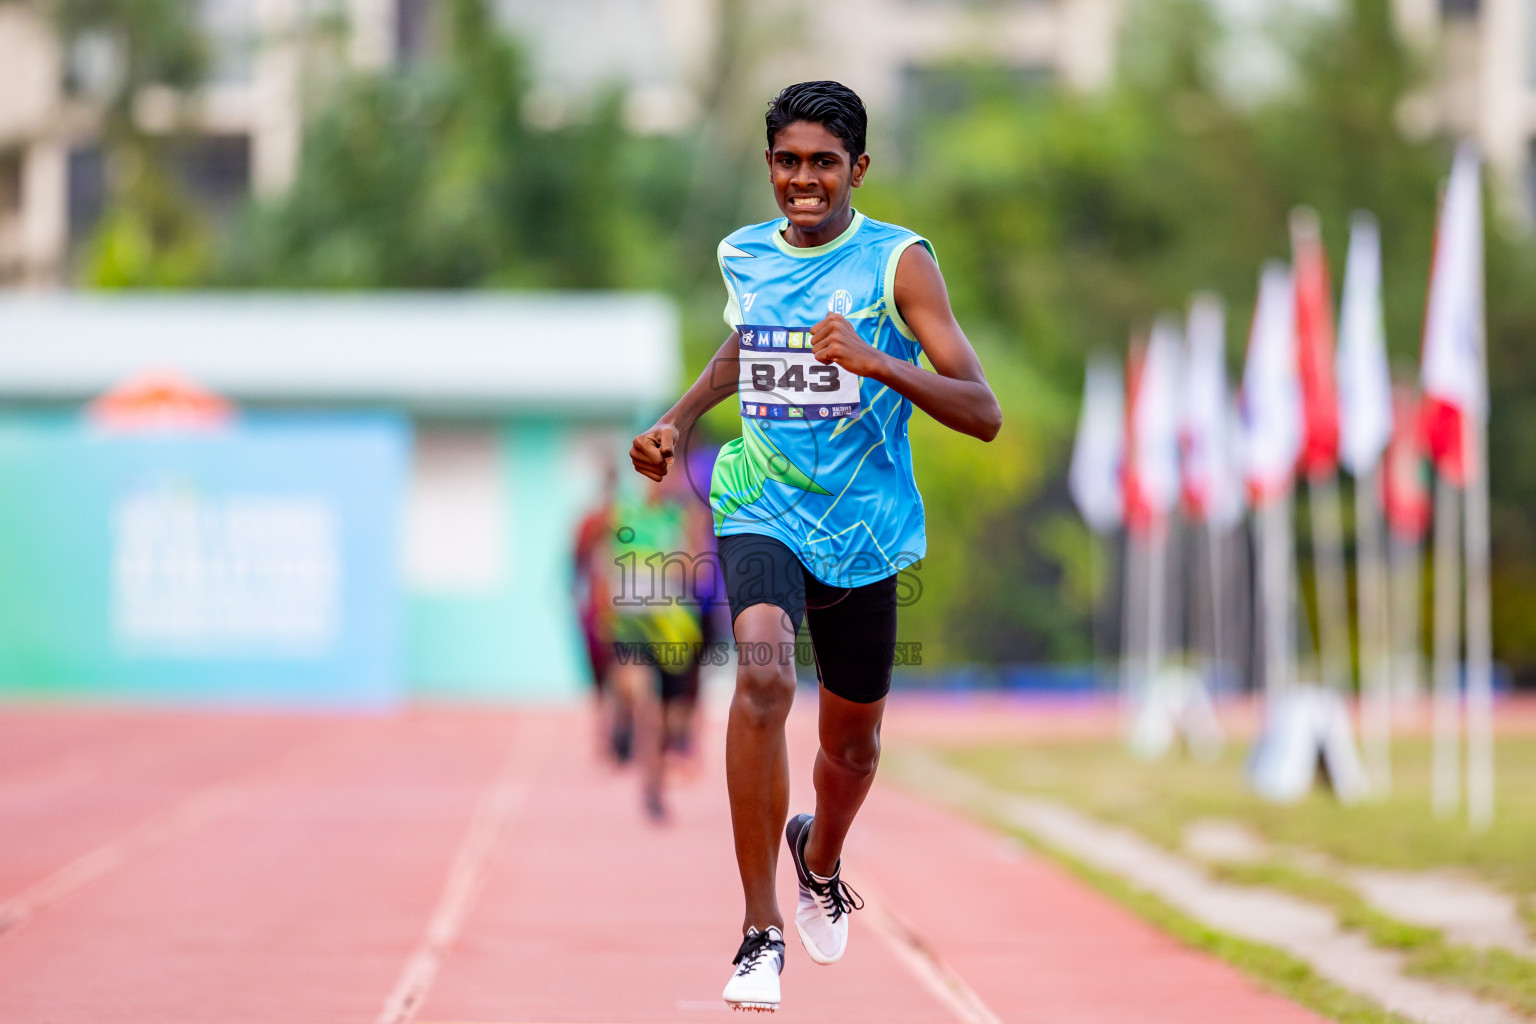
[
  {"x": 651, "y": 453},
  {"x": 835, "y": 341}
]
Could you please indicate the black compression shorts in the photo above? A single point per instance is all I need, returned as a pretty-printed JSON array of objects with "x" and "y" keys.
[{"x": 853, "y": 629}]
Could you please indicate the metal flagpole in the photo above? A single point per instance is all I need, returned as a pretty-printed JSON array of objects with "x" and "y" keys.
[
  {"x": 1100, "y": 579},
  {"x": 1275, "y": 555},
  {"x": 1366, "y": 427},
  {"x": 1178, "y": 605},
  {"x": 1455, "y": 378},
  {"x": 1093, "y": 605},
  {"x": 1290, "y": 593},
  {"x": 1479, "y": 608},
  {"x": 1321, "y": 430},
  {"x": 1157, "y": 565},
  {"x": 1133, "y": 625},
  {"x": 1375, "y": 643},
  {"x": 1213, "y": 548},
  {"x": 1328, "y": 561},
  {"x": 1237, "y": 573},
  {"x": 1407, "y": 555},
  {"x": 1479, "y": 632},
  {"x": 1447, "y": 653}
]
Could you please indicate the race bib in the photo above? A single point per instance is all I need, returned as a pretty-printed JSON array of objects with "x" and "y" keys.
[{"x": 780, "y": 379}]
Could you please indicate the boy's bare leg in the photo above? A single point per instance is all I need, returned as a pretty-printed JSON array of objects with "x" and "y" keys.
[
  {"x": 637, "y": 682},
  {"x": 756, "y": 761},
  {"x": 844, "y": 771}
]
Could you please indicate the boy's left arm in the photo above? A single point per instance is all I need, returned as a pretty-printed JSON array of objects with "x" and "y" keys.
[{"x": 958, "y": 394}]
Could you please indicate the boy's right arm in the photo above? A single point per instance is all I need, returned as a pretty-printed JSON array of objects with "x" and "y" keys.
[{"x": 652, "y": 451}]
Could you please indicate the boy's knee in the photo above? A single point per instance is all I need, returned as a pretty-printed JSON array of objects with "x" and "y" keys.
[
  {"x": 765, "y": 692},
  {"x": 858, "y": 755}
]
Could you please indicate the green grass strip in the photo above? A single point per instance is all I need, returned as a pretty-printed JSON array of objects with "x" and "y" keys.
[
  {"x": 1349, "y": 906},
  {"x": 1272, "y": 968},
  {"x": 1495, "y": 974},
  {"x": 1492, "y": 973},
  {"x": 1160, "y": 800}
]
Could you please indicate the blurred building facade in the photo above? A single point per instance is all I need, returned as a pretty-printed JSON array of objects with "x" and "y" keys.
[
  {"x": 667, "y": 51},
  {"x": 670, "y": 58},
  {"x": 1484, "y": 54},
  {"x": 243, "y": 130}
]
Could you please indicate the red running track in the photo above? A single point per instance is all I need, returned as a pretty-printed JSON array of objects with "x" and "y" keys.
[{"x": 480, "y": 866}]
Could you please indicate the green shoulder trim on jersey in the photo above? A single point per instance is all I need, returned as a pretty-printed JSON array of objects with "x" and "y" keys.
[
  {"x": 888, "y": 291},
  {"x": 745, "y": 465},
  {"x": 777, "y": 231},
  {"x": 732, "y": 300}
]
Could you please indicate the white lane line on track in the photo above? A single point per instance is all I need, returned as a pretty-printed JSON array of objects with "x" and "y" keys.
[
  {"x": 919, "y": 957},
  {"x": 181, "y": 818},
  {"x": 466, "y": 877}
]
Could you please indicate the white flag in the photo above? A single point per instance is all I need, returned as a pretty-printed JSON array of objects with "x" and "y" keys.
[
  {"x": 1365, "y": 379},
  {"x": 1098, "y": 454},
  {"x": 1154, "y": 483},
  {"x": 1453, "y": 376},
  {"x": 1228, "y": 503},
  {"x": 1271, "y": 397},
  {"x": 1207, "y": 468}
]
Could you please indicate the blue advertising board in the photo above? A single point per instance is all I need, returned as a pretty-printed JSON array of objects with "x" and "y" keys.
[{"x": 254, "y": 565}]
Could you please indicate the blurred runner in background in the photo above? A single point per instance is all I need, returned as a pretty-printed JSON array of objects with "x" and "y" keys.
[
  {"x": 653, "y": 620},
  {"x": 680, "y": 694},
  {"x": 591, "y": 568}
]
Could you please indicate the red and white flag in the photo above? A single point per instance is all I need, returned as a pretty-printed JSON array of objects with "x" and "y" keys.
[
  {"x": 1212, "y": 492},
  {"x": 1152, "y": 456},
  {"x": 1453, "y": 375},
  {"x": 1365, "y": 379},
  {"x": 1404, "y": 482},
  {"x": 1098, "y": 453},
  {"x": 1271, "y": 392},
  {"x": 1314, "y": 346}
]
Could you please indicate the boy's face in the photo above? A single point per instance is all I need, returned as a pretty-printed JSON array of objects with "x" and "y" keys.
[{"x": 813, "y": 175}]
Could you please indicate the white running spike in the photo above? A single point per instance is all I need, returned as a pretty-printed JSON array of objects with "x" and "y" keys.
[
  {"x": 755, "y": 984},
  {"x": 821, "y": 916}
]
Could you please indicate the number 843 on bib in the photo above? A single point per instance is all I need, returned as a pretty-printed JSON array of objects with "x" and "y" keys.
[{"x": 783, "y": 380}]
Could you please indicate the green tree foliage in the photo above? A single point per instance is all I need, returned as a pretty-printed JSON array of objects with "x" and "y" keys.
[
  {"x": 152, "y": 234},
  {"x": 1065, "y": 222},
  {"x": 431, "y": 177}
]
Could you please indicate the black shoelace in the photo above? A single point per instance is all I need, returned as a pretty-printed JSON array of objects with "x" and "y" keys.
[
  {"x": 754, "y": 947},
  {"x": 837, "y": 896}
]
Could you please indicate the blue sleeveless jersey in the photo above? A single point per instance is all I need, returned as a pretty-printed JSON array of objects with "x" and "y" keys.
[{"x": 823, "y": 462}]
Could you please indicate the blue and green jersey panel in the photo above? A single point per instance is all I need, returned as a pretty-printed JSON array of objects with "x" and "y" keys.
[{"x": 829, "y": 474}]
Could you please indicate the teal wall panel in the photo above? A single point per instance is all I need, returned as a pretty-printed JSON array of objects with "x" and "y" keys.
[{"x": 519, "y": 642}]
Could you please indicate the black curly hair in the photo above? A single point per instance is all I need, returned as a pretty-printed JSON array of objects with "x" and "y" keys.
[{"x": 832, "y": 105}]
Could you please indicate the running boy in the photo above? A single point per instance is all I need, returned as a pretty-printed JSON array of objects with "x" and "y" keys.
[{"x": 815, "y": 505}]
